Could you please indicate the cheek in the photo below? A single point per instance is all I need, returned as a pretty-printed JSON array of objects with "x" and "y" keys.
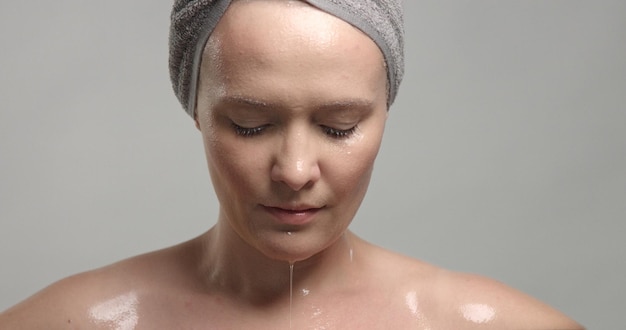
[
  {"x": 353, "y": 168},
  {"x": 234, "y": 167}
]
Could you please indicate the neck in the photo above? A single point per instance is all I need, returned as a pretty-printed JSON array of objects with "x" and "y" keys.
[{"x": 236, "y": 269}]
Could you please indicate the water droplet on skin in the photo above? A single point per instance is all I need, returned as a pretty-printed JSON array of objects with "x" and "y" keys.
[
  {"x": 412, "y": 303},
  {"x": 317, "y": 312},
  {"x": 478, "y": 313},
  {"x": 350, "y": 249},
  {"x": 118, "y": 313},
  {"x": 300, "y": 165}
]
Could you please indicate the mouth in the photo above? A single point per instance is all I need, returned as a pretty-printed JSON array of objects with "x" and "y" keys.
[{"x": 290, "y": 215}]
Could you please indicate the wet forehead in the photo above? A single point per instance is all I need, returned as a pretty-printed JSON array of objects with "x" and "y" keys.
[{"x": 291, "y": 54}]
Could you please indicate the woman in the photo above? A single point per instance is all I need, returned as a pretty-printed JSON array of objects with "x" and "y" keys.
[{"x": 291, "y": 102}]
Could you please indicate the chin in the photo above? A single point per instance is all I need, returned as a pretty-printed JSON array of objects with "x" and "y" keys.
[{"x": 294, "y": 246}]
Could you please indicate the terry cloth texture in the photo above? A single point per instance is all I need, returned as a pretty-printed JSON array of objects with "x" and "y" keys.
[{"x": 193, "y": 21}]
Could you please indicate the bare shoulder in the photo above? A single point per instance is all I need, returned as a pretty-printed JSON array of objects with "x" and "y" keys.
[
  {"x": 89, "y": 299},
  {"x": 58, "y": 306},
  {"x": 445, "y": 299},
  {"x": 484, "y": 301}
]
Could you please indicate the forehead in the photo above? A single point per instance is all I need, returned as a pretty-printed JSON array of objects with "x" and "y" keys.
[{"x": 272, "y": 40}]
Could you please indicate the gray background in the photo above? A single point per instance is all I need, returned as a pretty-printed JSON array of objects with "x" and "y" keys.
[{"x": 505, "y": 153}]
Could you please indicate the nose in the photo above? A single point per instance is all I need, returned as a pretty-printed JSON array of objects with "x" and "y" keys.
[{"x": 296, "y": 162}]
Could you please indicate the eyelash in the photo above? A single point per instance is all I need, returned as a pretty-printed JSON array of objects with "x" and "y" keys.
[
  {"x": 247, "y": 131},
  {"x": 331, "y": 132},
  {"x": 339, "y": 133}
]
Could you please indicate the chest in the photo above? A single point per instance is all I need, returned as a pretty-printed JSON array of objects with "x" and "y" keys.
[{"x": 304, "y": 313}]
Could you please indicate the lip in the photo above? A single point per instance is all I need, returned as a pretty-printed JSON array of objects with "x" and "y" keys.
[{"x": 295, "y": 216}]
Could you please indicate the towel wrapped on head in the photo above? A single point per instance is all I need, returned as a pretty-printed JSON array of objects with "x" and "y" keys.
[{"x": 193, "y": 22}]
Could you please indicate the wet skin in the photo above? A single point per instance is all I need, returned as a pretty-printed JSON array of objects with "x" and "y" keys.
[
  {"x": 291, "y": 109},
  {"x": 370, "y": 288}
]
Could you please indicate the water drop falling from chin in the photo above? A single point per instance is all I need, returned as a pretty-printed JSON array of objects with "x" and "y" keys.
[{"x": 290, "y": 290}]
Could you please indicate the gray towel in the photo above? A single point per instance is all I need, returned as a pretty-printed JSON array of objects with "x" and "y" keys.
[{"x": 194, "y": 20}]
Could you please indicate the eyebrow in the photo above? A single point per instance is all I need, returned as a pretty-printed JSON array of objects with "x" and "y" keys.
[
  {"x": 245, "y": 101},
  {"x": 347, "y": 105},
  {"x": 355, "y": 104}
]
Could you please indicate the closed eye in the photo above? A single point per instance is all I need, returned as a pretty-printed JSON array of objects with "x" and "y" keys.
[
  {"x": 339, "y": 133},
  {"x": 248, "y": 131},
  {"x": 334, "y": 133}
]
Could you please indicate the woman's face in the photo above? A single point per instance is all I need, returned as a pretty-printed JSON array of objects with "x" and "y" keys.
[{"x": 292, "y": 108}]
